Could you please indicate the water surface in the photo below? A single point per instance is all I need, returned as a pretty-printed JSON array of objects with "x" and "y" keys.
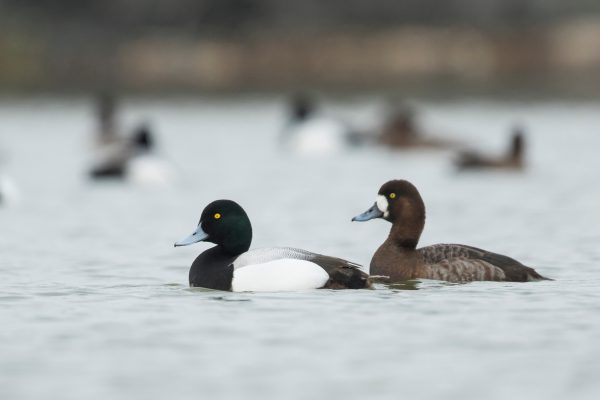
[{"x": 94, "y": 301}]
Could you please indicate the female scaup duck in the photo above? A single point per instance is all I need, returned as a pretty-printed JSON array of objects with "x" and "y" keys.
[
  {"x": 402, "y": 131},
  {"x": 513, "y": 159},
  {"x": 230, "y": 266},
  {"x": 400, "y": 203}
]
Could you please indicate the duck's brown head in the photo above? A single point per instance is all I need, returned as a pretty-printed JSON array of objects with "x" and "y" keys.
[
  {"x": 400, "y": 203},
  {"x": 517, "y": 144}
]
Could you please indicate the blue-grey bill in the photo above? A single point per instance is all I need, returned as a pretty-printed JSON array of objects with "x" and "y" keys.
[
  {"x": 198, "y": 236},
  {"x": 371, "y": 213}
]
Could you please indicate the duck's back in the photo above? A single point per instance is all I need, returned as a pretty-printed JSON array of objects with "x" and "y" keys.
[{"x": 461, "y": 263}]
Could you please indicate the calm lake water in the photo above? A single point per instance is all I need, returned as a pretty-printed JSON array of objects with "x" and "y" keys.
[{"x": 94, "y": 302}]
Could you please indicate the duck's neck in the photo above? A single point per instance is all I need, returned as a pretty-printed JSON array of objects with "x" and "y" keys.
[
  {"x": 406, "y": 232},
  {"x": 404, "y": 237},
  {"x": 238, "y": 241}
]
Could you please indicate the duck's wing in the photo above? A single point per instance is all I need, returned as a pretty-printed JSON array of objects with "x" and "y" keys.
[
  {"x": 472, "y": 263},
  {"x": 471, "y": 159},
  {"x": 342, "y": 273},
  {"x": 462, "y": 270}
]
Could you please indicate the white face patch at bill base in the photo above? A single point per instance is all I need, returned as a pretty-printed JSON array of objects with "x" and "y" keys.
[{"x": 383, "y": 205}]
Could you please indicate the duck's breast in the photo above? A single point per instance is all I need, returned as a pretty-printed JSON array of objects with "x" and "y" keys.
[{"x": 279, "y": 275}]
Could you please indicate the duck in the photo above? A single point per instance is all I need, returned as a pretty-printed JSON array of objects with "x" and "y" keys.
[
  {"x": 401, "y": 131},
  {"x": 514, "y": 159},
  {"x": 398, "y": 259},
  {"x": 145, "y": 166},
  {"x": 126, "y": 157},
  {"x": 231, "y": 266},
  {"x": 9, "y": 192},
  {"x": 311, "y": 133},
  {"x": 111, "y": 149}
]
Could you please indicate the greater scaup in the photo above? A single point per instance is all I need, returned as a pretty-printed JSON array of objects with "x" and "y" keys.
[
  {"x": 111, "y": 149},
  {"x": 231, "y": 266},
  {"x": 400, "y": 203},
  {"x": 401, "y": 131},
  {"x": 310, "y": 132},
  {"x": 145, "y": 166},
  {"x": 513, "y": 159},
  {"x": 132, "y": 158}
]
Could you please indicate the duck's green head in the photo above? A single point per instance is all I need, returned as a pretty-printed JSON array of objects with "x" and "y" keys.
[{"x": 224, "y": 223}]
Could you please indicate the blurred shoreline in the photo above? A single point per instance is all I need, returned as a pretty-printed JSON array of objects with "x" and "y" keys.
[{"x": 534, "y": 61}]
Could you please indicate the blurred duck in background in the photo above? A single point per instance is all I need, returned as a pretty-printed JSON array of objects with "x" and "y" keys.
[
  {"x": 512, "y": 160},
  {"x": 401, "y": 131},
  {"x": 111, "y": 149},
  {"x": 9, "y": 193},
  {"x": 309, "y": 132},
  {"x": 106, "y": 108},
  {"x": 145, "y": 166},
  {"x": 133, "y": 158}
]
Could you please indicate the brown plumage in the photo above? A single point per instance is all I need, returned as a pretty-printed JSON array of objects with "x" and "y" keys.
[
  {"x": 401, "y": 131},
  {"x": 400, "y": 203},
  {"x": 513, "y": 159}
]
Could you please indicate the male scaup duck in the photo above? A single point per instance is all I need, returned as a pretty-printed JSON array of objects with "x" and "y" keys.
[
  {"x": 145, "y": 166},
  {"x": 401, "y": 131},
  {"x": 513, "y": 159},
  {"x": 398, "y": 258},
  {"x": 231, "y": 266},
  {"x": 111, "y": 149},
  {"x": 126, "y": 157},
  {"x": 310, "y": 133}
]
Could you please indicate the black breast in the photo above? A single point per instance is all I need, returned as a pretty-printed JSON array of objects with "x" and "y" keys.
[{"x": 212, "y": 270}]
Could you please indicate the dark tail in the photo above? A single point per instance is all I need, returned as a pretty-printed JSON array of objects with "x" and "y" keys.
[
  {"x": 534, "y": 276},
  {"x": 348, "y": 278}
]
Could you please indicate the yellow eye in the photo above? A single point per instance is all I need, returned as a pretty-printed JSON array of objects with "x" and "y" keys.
[
  {"x": 217, "y": 216},
  {"x": 392, "y": 195}
]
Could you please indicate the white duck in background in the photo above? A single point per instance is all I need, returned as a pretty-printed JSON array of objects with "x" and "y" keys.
[
  {"x": 145, "y": 167},
  {"x": 9, "y": 192},
  {"x": 310, "y": 133},
  {"x": 133, "y": 158},
  {"x": 111, "y": 149}
]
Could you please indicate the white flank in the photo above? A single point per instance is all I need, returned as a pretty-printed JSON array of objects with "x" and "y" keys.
[
  {"x": 149, "y": 170},
  {"x": 279, "y": 276},
  {"x": 318, "y": 136},
  {"x": 383, "y": 205}
]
